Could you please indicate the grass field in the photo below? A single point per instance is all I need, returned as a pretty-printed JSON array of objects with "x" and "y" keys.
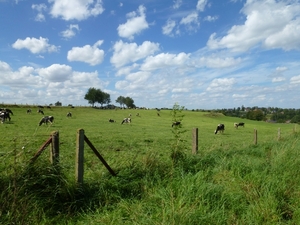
[{"x": 229, "y": 181}]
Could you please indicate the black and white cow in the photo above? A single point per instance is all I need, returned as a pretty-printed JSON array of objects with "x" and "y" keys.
[
  {"x": 5, "y": 115},
  {"x": 126, "y": 120},
  {"x": 176, "y": 123},
  {"x": 28, "y": 111},
  {"x": 46, "y": 120},
  {"x": 40, "y": 111},
  {"x": 220, "y": 128},
  {"x": 69, "y": 114},
  {"x": 236, "y": 125},
  {"x": 111, "y": 121}
]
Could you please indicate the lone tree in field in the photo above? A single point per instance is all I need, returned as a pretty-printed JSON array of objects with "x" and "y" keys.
[{"x": 96, "y": 95}]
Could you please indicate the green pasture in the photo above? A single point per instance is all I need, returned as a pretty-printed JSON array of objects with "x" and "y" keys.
[
  {"x": 159, "y": 181},
  {"x": 123, "y": 144}
]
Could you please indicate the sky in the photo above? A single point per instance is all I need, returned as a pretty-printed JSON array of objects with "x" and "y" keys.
[{"x": 200, "y": 54}]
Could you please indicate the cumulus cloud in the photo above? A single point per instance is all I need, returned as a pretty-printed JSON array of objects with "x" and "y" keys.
[
  {"x": 164, "y": 60},
  {"x": 71, "y": 31},
  {"x": 136, "y": 23},
  {"x": 131, "y": 52},
  {"x": 35, "y": 46},
  {"x": 295, "y": 80},
  {"x": 56, "y": 72},
  {"x": 217, "y": 62},
  {"x": 88, "y": 54},
  {"x": 76, "y": 9},
  {"x": 221, "y": 84},
  {"x": 40, "y": 8},
  {"x": 271, "y": 24}
]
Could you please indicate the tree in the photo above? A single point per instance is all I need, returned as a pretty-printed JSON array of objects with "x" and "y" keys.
[
  {"x": 129, "y": 102},
  {"x": 58, "y": 103},
  {"x": 121, "y": 100},
  {"x": 96, "y": 95},
  {"x": 91, "y": 96}
]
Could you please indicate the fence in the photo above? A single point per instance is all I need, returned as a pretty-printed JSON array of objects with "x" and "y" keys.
[{"x": 53, "y": 141}]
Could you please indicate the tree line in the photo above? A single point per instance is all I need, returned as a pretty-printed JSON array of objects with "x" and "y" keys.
[
  {"x": 94, "y": 95},
  {"x": 274, "y": 114}
]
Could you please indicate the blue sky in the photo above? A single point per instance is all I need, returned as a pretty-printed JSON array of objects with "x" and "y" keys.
[{"x": 201, "y": 54}]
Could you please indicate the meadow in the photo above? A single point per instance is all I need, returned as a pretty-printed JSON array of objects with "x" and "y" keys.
[{"x": 159, "y": 181}]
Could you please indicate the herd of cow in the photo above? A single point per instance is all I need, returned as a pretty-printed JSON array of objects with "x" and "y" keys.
[{"x": 5, "y": 115}]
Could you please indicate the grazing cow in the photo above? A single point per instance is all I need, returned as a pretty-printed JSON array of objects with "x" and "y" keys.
[
  {"x": 236, "y": 125},
  {"x": 137, "y": 114},
  {"x": 28, "y": 111},
  {"x": 126, "y": 120},
  {"x": 48, "y": 107},
  {"x": 4, "y": 116},
  {"x": 220, "y": 128},
  {"x": 7, "y": 110},
  {"x": 176, "y": 123},
  {"x": 46, "y": 120},
  {"x": 111, "y": 121},
  {"x": 40, "y": 111},
  {"x": 69, "y": 114}
]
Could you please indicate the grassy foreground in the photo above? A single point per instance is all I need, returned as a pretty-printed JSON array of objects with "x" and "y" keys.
[{"x": 159, "y": 181}]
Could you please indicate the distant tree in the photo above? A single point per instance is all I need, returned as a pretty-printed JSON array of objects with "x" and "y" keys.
[
  {"x": 96, "y": 95},
  {"x": 121, "y": 100},
  {"x": 256, "y": 114},
  {"x": 91, "y": 96},
  {"x": 129, "y": 102},
  {"x": 103, "y": 98},
  {"x": 58, "y": 103}
]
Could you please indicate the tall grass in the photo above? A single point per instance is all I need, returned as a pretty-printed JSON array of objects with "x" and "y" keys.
[{"x": 159, "y": 181}]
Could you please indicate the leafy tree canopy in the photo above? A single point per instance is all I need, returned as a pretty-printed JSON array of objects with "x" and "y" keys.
[{"x": 94, "y": 95}]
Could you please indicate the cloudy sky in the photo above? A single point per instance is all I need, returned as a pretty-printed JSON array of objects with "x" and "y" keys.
[{"x": 201, "y": 54}]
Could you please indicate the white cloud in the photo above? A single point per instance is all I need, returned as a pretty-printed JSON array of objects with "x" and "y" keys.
[
  {"x": 136, "y": 23},
  {"x": 295, "y": 80},
  {"x": 71, "y": 31},
  {"x": 56, "y": 72},
  {"x": 35, "y": 46},
  {"x": 278, "y": 79},
  {"x": 164, "y": 60},
  {"x": 211, "y": 18},
  {"x": 221, "y": 85},
  {"x": 76, "y": 9},
  {"x": 201, "y": 5},
  {"x": 272, "y": 24},
  {"x": 131, "y": 52},
  {"x": 217, "y": 62},
  {"x": 88, "y": 54},
  {"x": 40, "y": 8},
  {"x": 177, "y": 4},
  {"x": 168, "y": 28},
  {"x": 190, "y": 19}
]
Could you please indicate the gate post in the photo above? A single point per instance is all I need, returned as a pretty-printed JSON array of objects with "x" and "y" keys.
[
  {"x": 54, "y": 151},
  {"x": 79, "y": 156},
  {"x": 195, "y": 141}
]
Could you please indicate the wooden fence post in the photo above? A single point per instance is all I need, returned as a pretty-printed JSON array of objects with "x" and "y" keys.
[
  {"x": 79, "y": 166},
  {"x": 54, "y": 151},
  {"x": 195, "y": 141},
  {"x": 255, "y": 136},
  {"x": 278, "y": 134}
]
